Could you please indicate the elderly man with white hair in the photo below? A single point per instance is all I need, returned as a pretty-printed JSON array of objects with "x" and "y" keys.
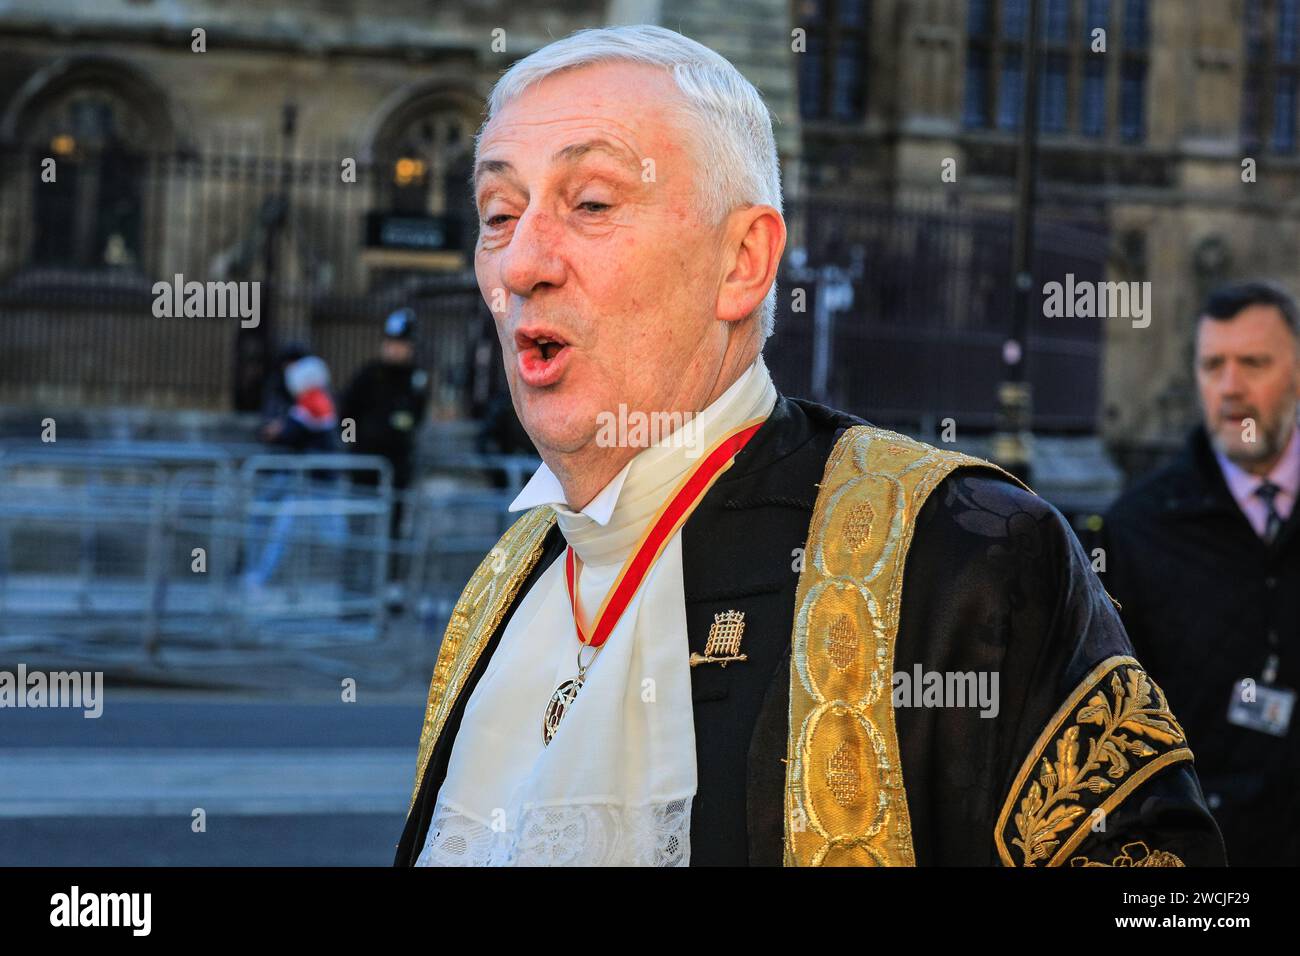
[{"x": 695, "y": 645}]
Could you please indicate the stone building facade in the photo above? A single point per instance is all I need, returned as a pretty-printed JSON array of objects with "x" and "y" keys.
[
  {"x": 170, "y": 123},
  {"x": 1178, "y": 140},
  {"x": 1143, "y": 141}
]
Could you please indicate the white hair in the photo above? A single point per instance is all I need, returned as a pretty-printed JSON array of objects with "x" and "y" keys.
[{"x": 731, "y": 126}]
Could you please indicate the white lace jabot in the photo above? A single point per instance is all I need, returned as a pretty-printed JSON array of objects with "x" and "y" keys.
[{"x": 615, "y": 784}]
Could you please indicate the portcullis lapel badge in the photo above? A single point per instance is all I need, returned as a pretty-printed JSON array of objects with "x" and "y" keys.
[{"x": 723, "y": 644}]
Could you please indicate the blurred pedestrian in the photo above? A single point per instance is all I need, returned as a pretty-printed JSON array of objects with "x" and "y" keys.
[
  {"x": 1204, "y": 557},
  {"x": 310, "y": 422},
  {"x": 387, "y": 399},
  {"x": 308, "y": 426},
  {"x": 276, "y": 400}
]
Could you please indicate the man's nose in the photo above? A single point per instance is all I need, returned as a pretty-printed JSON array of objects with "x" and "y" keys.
[
  {"x": 1232, "y": 382},
  {"x": 531, "y": 260}
]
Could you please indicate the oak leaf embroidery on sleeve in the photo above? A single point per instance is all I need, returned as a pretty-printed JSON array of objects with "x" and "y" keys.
[
  {"x": 1129, "y": 733},
  {"x": 1134, "y": 854}
]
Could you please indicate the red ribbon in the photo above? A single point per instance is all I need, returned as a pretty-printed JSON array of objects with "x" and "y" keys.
[{"x": 671, "y": 516}]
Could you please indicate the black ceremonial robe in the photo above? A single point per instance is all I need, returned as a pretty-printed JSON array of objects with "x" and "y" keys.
[{"x": 995, "y": 581}]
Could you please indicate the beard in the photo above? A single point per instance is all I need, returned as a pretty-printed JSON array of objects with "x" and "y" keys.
[{"x": 1271, "y": 437}]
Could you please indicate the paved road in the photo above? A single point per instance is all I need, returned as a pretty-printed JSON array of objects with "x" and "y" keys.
[{"x": 280, "y": 782}]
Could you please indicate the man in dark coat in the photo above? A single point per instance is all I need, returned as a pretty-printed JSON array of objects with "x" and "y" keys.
[
  {"x": 1207, "y": 570},
  {"x": 386, "y": 403},
  {"x": 387, "y": 399}
]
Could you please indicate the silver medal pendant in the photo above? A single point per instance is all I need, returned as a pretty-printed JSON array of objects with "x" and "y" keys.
[{"x": 559, "y": 705}]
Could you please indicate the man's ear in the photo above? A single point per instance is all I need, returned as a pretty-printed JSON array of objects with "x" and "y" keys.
[{"x": 755, "y": 239}]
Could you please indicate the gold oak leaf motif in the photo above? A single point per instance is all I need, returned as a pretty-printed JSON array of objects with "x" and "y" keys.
[
  {"x": 1134, "y": 854},
  {"x": 1134, "y": 713}
]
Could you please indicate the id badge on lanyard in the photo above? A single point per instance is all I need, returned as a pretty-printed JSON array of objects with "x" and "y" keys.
[{"x": 1262, "y": 706}]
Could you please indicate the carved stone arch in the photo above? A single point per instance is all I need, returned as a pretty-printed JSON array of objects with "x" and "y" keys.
[
  {"x": 422, "y": 145},
  {"x": 439, "y": 93},
  {"x": 101, "y": 122},
  {"x": 146, "y": 99}
]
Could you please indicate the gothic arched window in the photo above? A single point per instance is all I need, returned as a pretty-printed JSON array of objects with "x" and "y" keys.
[
  {"x": 90, "y": 216},
  {"x": 425, "y": 155}
]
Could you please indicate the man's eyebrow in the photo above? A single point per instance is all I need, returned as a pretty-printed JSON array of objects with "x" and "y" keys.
[
  {"x": 486, "y": 166},
  {"x": 574, "y": 152},
  {"x": 569, "y": 154}
]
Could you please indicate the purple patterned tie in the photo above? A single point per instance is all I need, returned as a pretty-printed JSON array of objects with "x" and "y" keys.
[{"x": 1268, "y": 491}]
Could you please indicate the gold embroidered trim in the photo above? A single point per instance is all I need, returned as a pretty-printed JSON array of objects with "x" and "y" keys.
[
  {"x": 845, "y": 803},
  {"x": 474, "y": 620},
  {"x": 1126, "y": 858},
  {"x": 1065, "y": 795}
]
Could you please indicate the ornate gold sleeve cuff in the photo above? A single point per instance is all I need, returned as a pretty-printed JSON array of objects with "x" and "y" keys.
[
  {"x": 1089, "y": 758},
  {"x": 1134, "y": 854}
]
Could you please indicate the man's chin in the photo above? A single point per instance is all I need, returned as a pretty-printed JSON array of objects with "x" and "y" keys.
[
  {"x": 556, "y": 427},
  {"x": 1239, "y": 451}
]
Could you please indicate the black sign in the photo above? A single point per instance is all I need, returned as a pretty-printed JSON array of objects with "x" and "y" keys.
[{"x": 399, "y": 231}]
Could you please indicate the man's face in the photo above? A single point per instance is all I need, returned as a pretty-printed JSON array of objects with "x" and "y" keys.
[
  {"x": 397, "y": 351},
  {"x": 589, "y": 237},
  {"x": 1246, "y": 367}
]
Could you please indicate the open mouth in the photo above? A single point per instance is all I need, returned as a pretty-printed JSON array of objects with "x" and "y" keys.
[{"x": 542, "y": 355}]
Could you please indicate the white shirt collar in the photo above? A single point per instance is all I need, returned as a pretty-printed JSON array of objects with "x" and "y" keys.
[
  {"x": 544, "y": 488},
  {"x": 1285, "y": 474}
]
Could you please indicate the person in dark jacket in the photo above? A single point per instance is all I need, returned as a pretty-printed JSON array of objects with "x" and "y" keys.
[
  {"x": 388, "y": 399},
  {"x": 1204, "y": 558},
  {"x": 386, "y": 402}
]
